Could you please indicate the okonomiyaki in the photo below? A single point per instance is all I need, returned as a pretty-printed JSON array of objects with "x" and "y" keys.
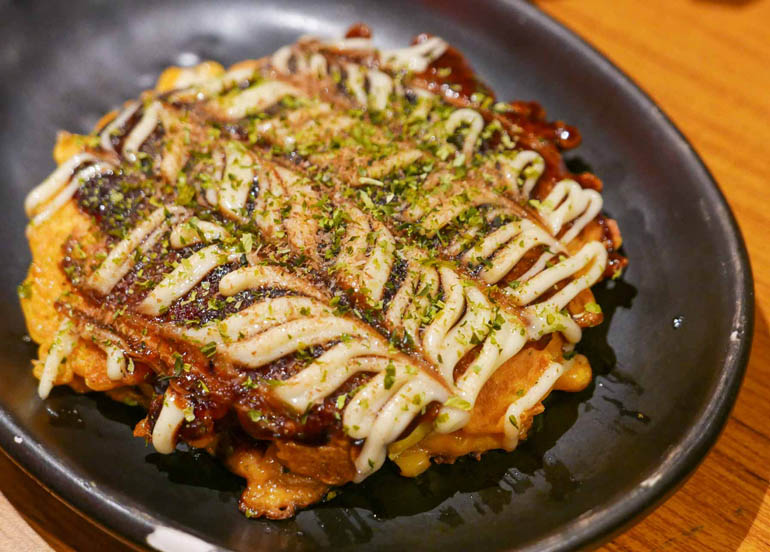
[{"x": 311, "y": 263}]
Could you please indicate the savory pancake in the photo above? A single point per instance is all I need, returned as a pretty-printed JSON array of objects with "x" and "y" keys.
[{"x": 312, "y": 262}]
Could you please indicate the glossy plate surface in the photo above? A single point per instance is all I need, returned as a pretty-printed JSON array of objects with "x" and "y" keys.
[{"x": 599, "y": 459}]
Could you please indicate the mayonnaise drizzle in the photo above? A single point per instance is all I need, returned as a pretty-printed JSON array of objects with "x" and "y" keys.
[
  {"x": 355, "y": 82},
  {"x": 142, "y": 130},
  {"x": 116, "y": 360},
  {"x": 167, "y": 425},
  {"x": 192, "y": 84},
  {"x": 380, "y": 89},
  {"x": 501, "y": 345},
  {"x": 257, "y": 98},
  {"x": 324, "y": 375},
  {"x": 266, "y": 276},
  {"x": 62, "y": 346},
  {"x": 413, "y": 299},
  {"x": 415, "y": 58},
  {"x": 61, "y": 185},
  {"x": 280, "y": 59},
  {"x": 237, "y": 179},
  {"x": 195, "y": 231},
  {"x": 276, "y": 342},
  {"x": 527, "y": 164},
  {"x": 255, "y": 319},
  {"x": 358, "y": 78},
  {"x": 183, "y": 278},
  {"x": 393, "y": 419},
  {"x": 534, "y": 395},
  {"x": 569, "y": 202},
  {"x": 509, "y": 243},
  {"x": 114, "y": 126},
  {"x": 475, "y": 121},
  {"x": 65, "y": 194},
  {"x": 366, "y": 269},
  {"x": 121, "y": 258},
  {"x": 590, "y": 262},
  {"x": 318, "y": 66},
  {"x": 44, "y": 191},
  {"x": 399, "y": 160},
  {"x": 357, "y": 43}
]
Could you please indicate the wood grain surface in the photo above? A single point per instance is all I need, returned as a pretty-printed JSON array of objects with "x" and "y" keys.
[{"x": 707, "y": 64}]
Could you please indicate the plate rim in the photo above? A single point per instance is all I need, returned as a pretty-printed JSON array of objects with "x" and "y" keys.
[{"x": 588, "y": 530}]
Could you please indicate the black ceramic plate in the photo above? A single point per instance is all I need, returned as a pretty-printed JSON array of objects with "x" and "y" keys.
[{"x": 599, "y": 460}]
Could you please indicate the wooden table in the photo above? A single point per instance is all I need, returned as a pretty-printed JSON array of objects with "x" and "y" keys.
[{"x": 707, "y": 64}]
